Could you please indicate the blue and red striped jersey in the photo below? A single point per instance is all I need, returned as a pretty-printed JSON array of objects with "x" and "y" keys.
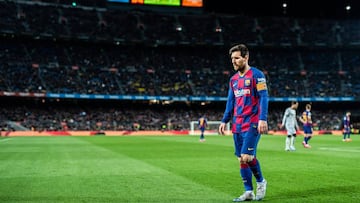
[
  {"x": 346, "y": 121},
  {"x": 202, "y": 122},
  {"x": 306, "y": 116},
  {"x": 247, "y": 101}
]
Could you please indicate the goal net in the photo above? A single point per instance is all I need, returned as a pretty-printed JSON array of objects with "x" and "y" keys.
[{"x": 211, "y": 129}]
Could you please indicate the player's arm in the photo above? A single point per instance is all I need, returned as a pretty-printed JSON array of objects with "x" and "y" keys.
[
  {"x": 261, "y": 88},
  {"x": 296, "y": 124},
  {"x": 284, "y": 118},
  {"x": 302, "y": 120},
  {"x": 228, "y": 110}
]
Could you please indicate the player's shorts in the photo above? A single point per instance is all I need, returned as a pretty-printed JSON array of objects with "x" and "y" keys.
[
  {"x": 202, "y": 129},
  {"x": 346, "y": 130},
  {"x": 246, "y": 142},
  {"x": 307, "y": 129},
  {"x": 290, "y": 130}
]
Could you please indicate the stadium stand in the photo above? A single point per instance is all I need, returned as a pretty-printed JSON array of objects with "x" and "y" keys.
[{"x": 48, "y": 47}]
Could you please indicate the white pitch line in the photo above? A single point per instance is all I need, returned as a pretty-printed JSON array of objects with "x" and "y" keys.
[
  {"x": 5, "y": 139},
  {"x": 339, "y": 149}
]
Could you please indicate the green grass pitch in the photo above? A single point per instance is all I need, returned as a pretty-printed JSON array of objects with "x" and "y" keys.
[{"x": 172, "y": 169}]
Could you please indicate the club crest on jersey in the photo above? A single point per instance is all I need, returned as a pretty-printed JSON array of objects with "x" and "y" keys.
[
  {"x": 247, "y": 82},
  {"x": 241, "y": 92}
]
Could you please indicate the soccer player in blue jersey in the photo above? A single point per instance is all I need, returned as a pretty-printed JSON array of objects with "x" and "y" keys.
[
  {"x": 247, "y": 105},
  {"x": 307, "y": 125},
  {"x": 202, "y": 123},
  {"x": 346, "y": 127}
]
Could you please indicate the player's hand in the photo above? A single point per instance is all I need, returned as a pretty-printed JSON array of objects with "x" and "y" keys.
[
  {"x": 222, "y": 128},
  {"x": 263, "y": 127}
]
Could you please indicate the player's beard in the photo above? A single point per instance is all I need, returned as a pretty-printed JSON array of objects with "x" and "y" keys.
[{"x": 240, "y": 67}]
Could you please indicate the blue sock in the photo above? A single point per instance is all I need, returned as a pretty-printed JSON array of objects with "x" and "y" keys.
[
  {"x": 246, "y": 176},
  {"x": 256, "y": 169},
  {"x": 308, "y": 138}
]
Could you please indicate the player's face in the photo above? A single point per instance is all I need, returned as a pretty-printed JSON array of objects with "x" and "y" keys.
[
  {"x": 295, "y": 106},
  {"x": 239, "y": 62}
]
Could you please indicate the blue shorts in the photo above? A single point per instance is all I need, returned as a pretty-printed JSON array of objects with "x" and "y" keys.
[
  {"x": 308, "y": 130},
  {"x": 202, "y": 129},
  {"x": 246, "y": 142},
  {"x": 347, "y": 130}
]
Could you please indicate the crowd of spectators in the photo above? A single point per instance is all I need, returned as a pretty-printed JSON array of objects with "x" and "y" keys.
[
  {"x": 57, "y": 116},
  {"x": 128, "y": 116},
  {"x": 141, "y": 70},
  {"x": 76, "y": 50}
]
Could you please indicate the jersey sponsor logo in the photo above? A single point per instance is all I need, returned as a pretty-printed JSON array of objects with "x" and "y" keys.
[{"x": 242, "y": 92}]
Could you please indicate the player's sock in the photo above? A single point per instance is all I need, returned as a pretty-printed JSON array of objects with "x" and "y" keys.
[
  {"x": 246, "y": 176},
  {"x": 256, "y": 169},
  {"x": 292, "y": 141},
  {"x": 287, "y": 143},
  {"x": 308, "y": 139}
]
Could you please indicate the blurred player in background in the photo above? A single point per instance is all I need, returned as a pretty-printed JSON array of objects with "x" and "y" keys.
[
  {"x": 247, "y": 105},
  {"x": 346, "y": 127},
  {"x": 202, "y": 123},
  {"x": 291, "y": 125},
  {"x": 307, "y": 125}
]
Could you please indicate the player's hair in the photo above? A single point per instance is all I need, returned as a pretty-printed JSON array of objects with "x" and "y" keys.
[
  {"x": 240, "y": 47},
  {"x": 308, "y": 106},
  {"x": 294, "y": 102}
]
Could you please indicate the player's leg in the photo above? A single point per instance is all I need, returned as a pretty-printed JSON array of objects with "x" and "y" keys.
[
  {"x": 292, "y": 142},
  {"x": 291, "y": 137},
  {"x": 305, "y": 136},
  {"x": 245, "y": 171},
  {"x": 249, "y": 157},
  {"x": 309, "y": 137},
  {"x": 308, "y": 134},
  {"x": 348, "y": 139},
  {"x": 287, "y": 142},
  {"x": 306, "y": 140},
  {"x": 202, "y": 137}
]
